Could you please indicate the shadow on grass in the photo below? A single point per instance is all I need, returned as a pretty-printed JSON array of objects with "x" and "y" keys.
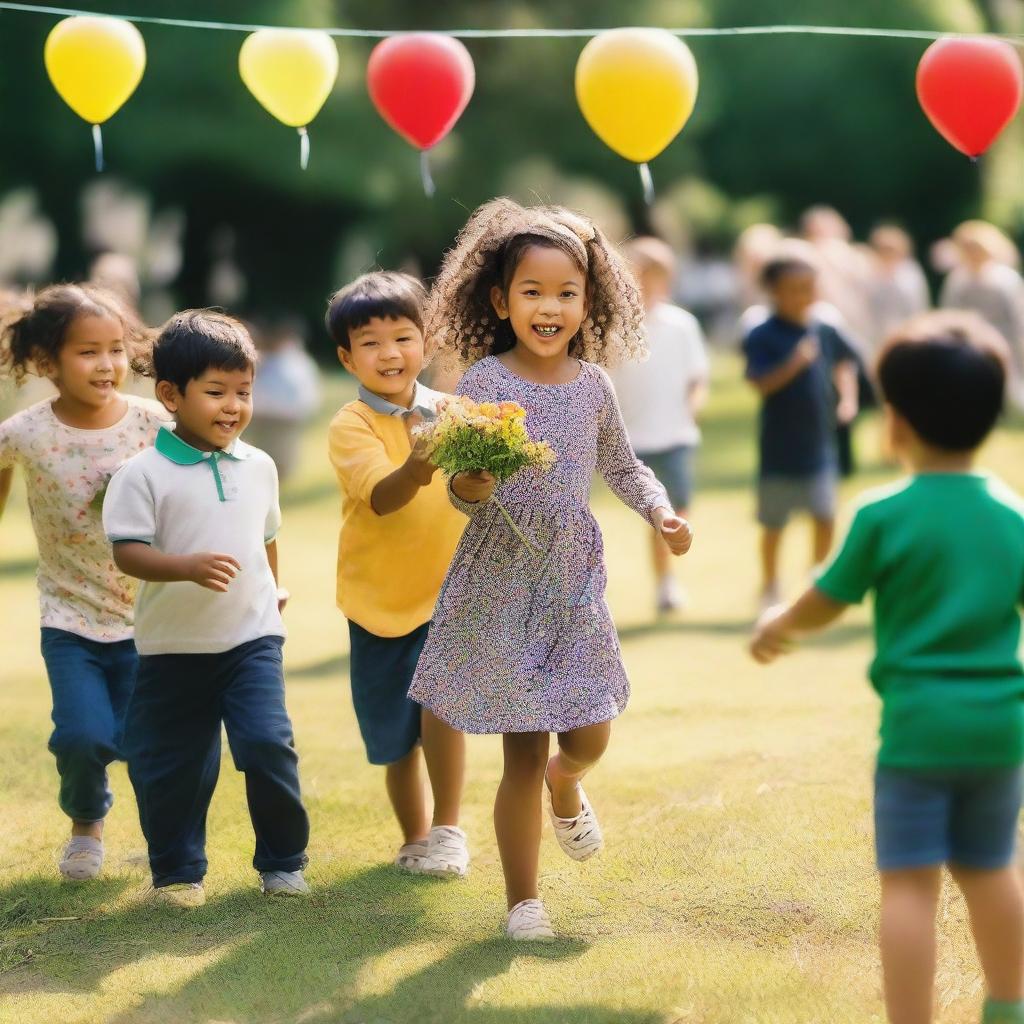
[
  {"x": 18, "y": 567},
  {"x": 335, "y": 665},
  {"x": 277, "y": 959},
  {"x": 844, "y": 633}
]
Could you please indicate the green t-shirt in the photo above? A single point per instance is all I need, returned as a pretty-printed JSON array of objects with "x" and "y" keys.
[{"x": 944, "y": 555}]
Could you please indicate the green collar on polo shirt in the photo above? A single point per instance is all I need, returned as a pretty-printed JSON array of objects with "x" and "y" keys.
[{"x": 172, "y": 447}]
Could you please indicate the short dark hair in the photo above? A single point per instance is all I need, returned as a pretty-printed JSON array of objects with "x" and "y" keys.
[
  {"x": 196, "y": 340},
  {"x": 781, "y": 266},
  {"x": 945, "y": 374},
  {"x": 387, "y": 294}
]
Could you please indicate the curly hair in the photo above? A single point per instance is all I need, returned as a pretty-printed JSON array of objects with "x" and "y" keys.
[
  {"x": 33, "y": 328},
  {"x": 460, "y": 317}
]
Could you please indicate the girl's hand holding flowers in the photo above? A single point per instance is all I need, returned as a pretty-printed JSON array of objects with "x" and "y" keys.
[
  {"x": 474, "y": 487},
  {"x": 675, "y": 530},
  {"x": 479, "y": 445}
]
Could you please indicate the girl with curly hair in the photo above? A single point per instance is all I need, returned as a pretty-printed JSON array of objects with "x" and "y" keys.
[
  {"x": 522, "y": 644},
  {"x": 82, "y": 338}
]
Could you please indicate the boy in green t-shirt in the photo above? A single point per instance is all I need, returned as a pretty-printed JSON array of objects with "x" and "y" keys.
[{"x": 943, "y": 554}]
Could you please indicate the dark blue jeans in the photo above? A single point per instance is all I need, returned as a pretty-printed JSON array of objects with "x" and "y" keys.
[
  {"x": 91, "y": 683},
  {"x": 172, "y": 741}
]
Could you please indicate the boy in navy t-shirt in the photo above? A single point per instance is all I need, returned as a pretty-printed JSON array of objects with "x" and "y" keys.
[{"x": 806, "y": 374}]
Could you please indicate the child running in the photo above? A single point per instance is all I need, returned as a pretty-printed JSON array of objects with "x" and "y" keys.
[
  {"x": 196, "y": 516},
  {"x": 83, "y": 340},
  {"x": 522, "y": 642},
  {"x": 398, "y": 535},
  {"x": 943, "y": 555}
]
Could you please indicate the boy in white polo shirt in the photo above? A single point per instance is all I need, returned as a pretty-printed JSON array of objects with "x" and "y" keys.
[{"x": 195, "y": 517}]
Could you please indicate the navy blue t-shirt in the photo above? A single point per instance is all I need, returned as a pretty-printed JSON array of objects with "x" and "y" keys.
[{"x": 798, "y": 421}]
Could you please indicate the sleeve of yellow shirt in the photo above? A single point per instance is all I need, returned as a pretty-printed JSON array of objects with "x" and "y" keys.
[{"x": 358, "y": 455}]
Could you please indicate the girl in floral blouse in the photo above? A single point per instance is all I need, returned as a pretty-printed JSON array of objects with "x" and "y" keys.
[
  {"x": 536, "y": 301},
  {"x": 81, "y": 338}
]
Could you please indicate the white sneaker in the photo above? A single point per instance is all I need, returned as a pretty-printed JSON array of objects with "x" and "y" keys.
[
  {"x": 283, "y": 883},
  {"x": 447, "y": 853},
  {"x": 185, "y": 895},
  {"x": 671, "y": 596},
  {"x": 411, "y": 857},
  {"x": 770, "y": 597},
  {"x": 580, "y": 837},
  {"x": 528, "y": 921},
  {"x": 82, "y": 858}
]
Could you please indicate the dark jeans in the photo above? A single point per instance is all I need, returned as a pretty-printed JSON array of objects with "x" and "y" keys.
[
  {"x": 91, "y": 683},
  {"x": 172, "y": 740}
]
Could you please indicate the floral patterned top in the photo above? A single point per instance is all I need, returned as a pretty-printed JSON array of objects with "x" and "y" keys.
[{"x": 67, "y": 470}]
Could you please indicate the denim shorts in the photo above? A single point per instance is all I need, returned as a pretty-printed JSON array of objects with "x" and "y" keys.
[
  {"x": 382, "y": 668},
  {"x": 674, "y": 470},
  {"x": 778, "y": 497},
  {"x": 965, "y": 816}
]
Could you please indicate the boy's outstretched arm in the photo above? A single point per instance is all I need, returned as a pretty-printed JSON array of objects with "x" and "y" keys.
[
  {"x": 6, "y": 478},
  {"x": 205, "y": 568},
  {"x": 777, "y": 630},
  {"x": 845, "y": 378}
]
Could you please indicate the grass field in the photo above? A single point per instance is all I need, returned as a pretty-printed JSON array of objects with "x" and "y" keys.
[{"x": 737, "y": 884}]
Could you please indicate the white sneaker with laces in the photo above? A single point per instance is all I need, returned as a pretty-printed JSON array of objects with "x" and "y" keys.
[
  {"x": 283, "y": 883},
  {"x": 447, "y": 853},
  {"x": 411, "y": 857},
  {"x": 82, "y": 858},
  {"x": 185, "y": 895},
  {"x": 528, "y": 921},
  {"x": 580, "y": 837}
]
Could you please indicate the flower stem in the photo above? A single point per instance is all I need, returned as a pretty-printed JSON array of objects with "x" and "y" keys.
[{"x": 515, "y": 529}]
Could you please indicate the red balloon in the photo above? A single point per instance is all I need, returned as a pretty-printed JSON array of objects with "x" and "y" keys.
[
  {"x": 420, "y": 84},
  {"x": 970, "y": 89}
]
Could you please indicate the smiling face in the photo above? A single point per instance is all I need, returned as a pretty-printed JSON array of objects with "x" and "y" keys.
[
  {"x": 386, "y": 356},
  {"x": 92, "y": 363},
  {"x": 546, "y": 301},
  {"x": 214, "y": 408}
]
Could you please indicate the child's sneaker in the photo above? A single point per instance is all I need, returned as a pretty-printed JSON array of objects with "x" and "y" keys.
[
  {"x": 82, "y": 858},
  {"x": 528, "y": 921},
  {"x": 447, "y": 853},
  {"x": 411, "y": 857},
  {"x": 283, "y": 883},
  {"x": 671, "y": 597},
  {"x": 580, "y": 837},
  {"x": 185, "y": 895}
]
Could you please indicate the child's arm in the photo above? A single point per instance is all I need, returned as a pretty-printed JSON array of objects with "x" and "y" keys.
[
  {"x": 6, "y": 478},
  {"x": 205, "y": 568},
  {"x": 846, "y": 379},
  {"x": 282, "y": 593},
  {"x": 804, "y": 356},
  {"x": 777, "y": 630},
  {"x": 397, "y": 489},
  {"x": 633, "y": 483}
]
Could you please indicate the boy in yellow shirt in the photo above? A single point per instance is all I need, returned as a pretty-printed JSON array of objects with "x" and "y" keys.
[{"x": 398, "y": 535}]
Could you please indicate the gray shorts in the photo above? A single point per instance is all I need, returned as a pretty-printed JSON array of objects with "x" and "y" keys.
[
  {"x": 674, "y": 470},
  {"x": 778, "y": 497}
]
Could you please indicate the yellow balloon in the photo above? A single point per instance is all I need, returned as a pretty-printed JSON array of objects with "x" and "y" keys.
[
  {"x": 636, "y": 88},
  {"x": 95, "y": 64},
  {"x": 290, "y": 71}
]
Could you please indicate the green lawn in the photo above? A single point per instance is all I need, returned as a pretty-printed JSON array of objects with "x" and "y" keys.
[{"x": 737, "y": 884}]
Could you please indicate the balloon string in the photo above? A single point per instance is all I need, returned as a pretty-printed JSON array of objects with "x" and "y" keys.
[
  {"x": 97, "y": 145},
  {"x": 512, "y": 33},
  {"x": 428, "y": 182},
  {"x": 303, "y": 148},
  {"x": 648, "y": 183}
]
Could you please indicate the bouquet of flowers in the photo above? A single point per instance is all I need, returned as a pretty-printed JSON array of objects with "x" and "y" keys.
[{"x": 470, "y": 437}]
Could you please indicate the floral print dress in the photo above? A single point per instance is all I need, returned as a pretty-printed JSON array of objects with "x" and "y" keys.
[{"x": 522, "y": 640}]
